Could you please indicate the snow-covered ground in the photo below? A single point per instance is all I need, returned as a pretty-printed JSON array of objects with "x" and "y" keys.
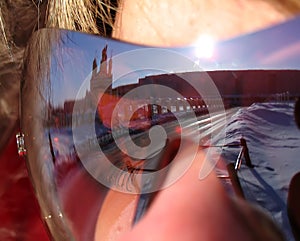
[{"x": 274, "y": 147}]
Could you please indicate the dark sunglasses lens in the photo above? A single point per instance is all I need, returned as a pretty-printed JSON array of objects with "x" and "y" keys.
[
  {"x": 105, "y": 120},
  {"x": 99, "y": 118}
]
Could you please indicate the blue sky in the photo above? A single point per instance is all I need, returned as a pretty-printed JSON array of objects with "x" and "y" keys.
[{"x": 277, "y": 47}]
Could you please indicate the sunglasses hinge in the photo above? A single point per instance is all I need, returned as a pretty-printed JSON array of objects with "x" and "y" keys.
[{"x": 20, "y": 144}]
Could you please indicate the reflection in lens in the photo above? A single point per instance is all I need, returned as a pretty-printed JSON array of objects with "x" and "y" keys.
[
  {"x": 89, "y": 136},
  {"x": 297, "y": 112}
]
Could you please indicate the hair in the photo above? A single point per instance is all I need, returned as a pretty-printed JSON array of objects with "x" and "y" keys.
[
  {"x": 289, "y": 7},
  {"x": 19, "y": 19}
]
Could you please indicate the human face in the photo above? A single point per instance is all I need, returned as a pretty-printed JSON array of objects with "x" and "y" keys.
[{"x": 190, "y": 194}]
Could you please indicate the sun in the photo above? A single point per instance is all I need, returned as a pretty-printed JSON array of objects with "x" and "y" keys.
[{"x": 204, "y": 46}]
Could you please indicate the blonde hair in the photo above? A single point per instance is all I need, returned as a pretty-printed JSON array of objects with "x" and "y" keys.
[{"x": 80, "y": 15}]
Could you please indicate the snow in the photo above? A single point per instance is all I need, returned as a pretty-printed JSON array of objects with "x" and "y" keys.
[{"x": 274, "y": 147}]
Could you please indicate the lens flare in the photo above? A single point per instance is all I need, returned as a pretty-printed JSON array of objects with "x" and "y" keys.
[{"x": 205, "y": 46}]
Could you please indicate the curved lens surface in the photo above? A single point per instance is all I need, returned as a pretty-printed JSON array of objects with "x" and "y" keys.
[{"x": 99, "y": 116}]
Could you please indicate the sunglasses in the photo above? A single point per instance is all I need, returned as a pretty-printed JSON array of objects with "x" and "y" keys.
[{"x": 104, "y": 121}]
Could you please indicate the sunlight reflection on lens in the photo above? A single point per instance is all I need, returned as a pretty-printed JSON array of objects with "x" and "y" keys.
[{"x": 204, "y": 46}]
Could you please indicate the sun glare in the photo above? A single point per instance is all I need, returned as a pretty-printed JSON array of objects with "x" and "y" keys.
[{"x": 204, "y": 46}]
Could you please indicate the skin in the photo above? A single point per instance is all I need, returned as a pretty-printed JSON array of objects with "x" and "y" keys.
[
  {"x": 190, "y": 209},
  {"x": 201, "y": 210},
  {"x": 165, "y": 23}
]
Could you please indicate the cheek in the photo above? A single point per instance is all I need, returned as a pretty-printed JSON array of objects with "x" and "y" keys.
[{"x": 116, "y": 215}]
